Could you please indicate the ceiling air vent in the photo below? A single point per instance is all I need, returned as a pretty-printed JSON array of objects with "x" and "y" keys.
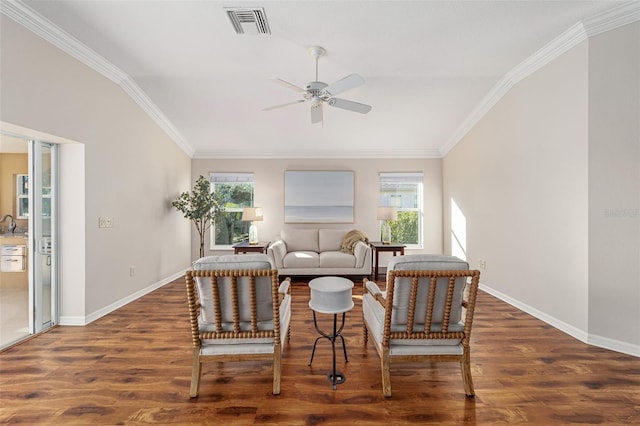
[{"x": 248, "y": 20}]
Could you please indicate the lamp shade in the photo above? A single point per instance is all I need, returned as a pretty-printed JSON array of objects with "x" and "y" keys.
[
  {"x": 252, "y": 214},
  {"x": 387, "y": 213}
]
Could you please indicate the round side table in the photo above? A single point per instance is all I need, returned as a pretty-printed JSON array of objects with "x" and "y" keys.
[{"x": 331, "y": 295}]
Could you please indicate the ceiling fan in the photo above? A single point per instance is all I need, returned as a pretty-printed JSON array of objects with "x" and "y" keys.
[{"x": 318, "y": 93}]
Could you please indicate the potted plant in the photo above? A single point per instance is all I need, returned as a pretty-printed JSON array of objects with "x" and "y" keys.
[{"x": 202, "y": 206}]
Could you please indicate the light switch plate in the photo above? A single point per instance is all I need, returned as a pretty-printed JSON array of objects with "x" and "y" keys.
[{"x": 105, "y": 222}]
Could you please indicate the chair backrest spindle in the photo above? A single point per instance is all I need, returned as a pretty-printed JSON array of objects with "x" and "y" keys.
[
  {"x": 427, "y": 304},
  {"x": 215, "y": 291},
  {"x": 448, "y": 304}
]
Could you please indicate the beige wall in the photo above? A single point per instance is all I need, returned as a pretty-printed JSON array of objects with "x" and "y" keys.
[
  {"x": 534, "y": 178},
  {"x": 130, "y": 168},
  {"x": 614, "y": 186},
  {"x": 269, "y": 191}
]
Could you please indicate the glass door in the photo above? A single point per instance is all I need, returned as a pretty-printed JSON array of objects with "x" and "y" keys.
[{"x": 42, "y": 232}]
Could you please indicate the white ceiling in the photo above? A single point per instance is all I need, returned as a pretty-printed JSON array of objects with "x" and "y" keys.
[{"x": 429, "y": 67}]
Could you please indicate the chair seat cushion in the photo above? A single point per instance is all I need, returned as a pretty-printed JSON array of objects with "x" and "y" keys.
[
  {"x": 424, "y": 349},
  {"x": 241, "y": 347}
]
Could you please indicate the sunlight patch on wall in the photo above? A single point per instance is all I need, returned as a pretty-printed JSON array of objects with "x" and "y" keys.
[{"x": 458, "y": 232}]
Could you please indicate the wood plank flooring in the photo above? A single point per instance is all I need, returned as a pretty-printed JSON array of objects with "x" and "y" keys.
[{"x": 133, "y": 367}]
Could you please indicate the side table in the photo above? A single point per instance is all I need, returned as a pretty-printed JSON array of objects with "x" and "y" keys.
[
  {"x": 331, "y": 295},
  {"x": 245, "y": 247},
  {"x": 378, "y": 247}
]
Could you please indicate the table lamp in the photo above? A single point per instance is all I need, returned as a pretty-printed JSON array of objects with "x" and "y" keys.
[
  {"x": 386, "y": 215},
  {"x": 252, "y": 214}
]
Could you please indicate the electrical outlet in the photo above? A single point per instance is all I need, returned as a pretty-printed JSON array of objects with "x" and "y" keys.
[
  {"x": 132, "y": 271},
  {"x": 483, "y": 264},
  {"x": 105, "y": 222}
]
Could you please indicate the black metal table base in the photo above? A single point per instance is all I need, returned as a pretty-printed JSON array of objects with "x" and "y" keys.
[{"x": 335, "y": 377}]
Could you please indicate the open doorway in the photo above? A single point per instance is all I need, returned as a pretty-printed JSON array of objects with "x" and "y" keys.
[{"x": 28, "y": 218}]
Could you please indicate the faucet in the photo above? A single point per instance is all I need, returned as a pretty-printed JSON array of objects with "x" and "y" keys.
[{"x": 12, "y": 224}]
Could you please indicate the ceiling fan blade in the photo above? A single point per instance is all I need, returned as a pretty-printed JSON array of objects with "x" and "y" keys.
[
  {"x": 349, "y": 105},
  {"x": 282, "y": 105},
  {"x": 289, "y": 85},
  {"x": 349, "y": 82},
  {"x": 316, "y": 114}
]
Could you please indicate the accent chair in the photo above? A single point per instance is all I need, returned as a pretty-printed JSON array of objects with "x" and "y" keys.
[
  {"x": 238, "y": 312},
  {"x": 425, "y": 313}
]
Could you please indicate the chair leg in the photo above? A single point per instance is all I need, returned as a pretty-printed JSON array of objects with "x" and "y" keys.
[
  {"x": 386, "y": 373},
  {"x": 277, "y": 369},
  {"x": 365, "y": 333},
  {"x": 196, "y": 372},
  {"x": 465, "y": 366}
]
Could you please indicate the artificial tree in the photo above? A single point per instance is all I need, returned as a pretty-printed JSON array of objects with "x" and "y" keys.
[{"x": 202, "y": 206}]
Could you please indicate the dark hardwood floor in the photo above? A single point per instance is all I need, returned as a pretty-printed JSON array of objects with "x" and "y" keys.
[{"x": 134, "y": 365}]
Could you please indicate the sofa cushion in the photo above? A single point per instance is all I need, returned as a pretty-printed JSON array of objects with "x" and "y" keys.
[
  {"x": 302, "y": 259},
  {"x": 330, "y": 239},
  {"x": 337, "y": 259},
  {"x": 300, "y": 239}
]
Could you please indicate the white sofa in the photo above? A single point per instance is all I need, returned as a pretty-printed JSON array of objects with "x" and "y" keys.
[{"x": 313, "y": 252}]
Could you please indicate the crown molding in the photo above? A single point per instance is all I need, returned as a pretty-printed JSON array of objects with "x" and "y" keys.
[
  {"x": 37, "y": 24},
  {"x": 611, "y": 19},
  {"x": 316, "y": 155}
]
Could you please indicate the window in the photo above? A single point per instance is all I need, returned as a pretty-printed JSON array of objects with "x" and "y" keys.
[
  {"x": 404, "y": 192},
  {"x": 237, "y": 193}
]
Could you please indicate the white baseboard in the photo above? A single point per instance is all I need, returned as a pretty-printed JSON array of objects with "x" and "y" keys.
[
  {"x": 583, "y": 336},
  {"x": 78, "y": 320},
  {"x": 71, "y": 320},
  {"x": 614, "y": 345}
]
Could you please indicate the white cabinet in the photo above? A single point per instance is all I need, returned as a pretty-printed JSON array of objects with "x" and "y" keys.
[{"x": 14, "y": 258}]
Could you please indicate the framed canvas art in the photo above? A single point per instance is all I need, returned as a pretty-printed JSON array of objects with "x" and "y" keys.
[{"x": 318, "y": 196}]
